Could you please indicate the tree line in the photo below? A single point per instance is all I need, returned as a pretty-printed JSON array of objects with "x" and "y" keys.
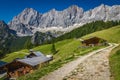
[{"x": 87, "y": 29}]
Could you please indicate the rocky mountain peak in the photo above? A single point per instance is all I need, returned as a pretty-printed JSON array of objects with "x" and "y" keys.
[
  {"x": 26, "y": 16},
  {"x": 102, "y": 5},
  {"x": 28, "y": 10},
  {"x": 4, "y": 28},
  {"x": 3, "y": 25},
  {"x": 74, "y": 8},
  {"x": 53, "y": 10},
  {"x": 1, "y": 22},
  {"x": 23, "y": 22},
  {"x": 29, "y": 20}
]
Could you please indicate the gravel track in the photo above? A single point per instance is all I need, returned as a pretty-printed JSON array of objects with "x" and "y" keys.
[{"x": 93, "y": 66}]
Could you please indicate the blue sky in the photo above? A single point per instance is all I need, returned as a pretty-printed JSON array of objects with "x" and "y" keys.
[{"x": 11, "y": 8}]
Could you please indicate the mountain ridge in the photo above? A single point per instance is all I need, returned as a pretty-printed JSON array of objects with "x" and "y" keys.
[{"x": 29, "y": 20}]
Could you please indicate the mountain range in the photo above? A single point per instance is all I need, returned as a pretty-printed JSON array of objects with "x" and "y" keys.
[{"x": 29, "y": 20}]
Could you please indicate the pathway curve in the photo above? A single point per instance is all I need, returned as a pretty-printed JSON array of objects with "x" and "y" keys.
[{"x": 86, "y": 67}]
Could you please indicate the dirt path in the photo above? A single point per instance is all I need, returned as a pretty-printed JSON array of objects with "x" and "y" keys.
[{"x": 84, "y": 68}]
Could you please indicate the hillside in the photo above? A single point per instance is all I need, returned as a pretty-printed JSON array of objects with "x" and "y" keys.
[
  {"x": 68, "y": 50},
  {"x": 65, "y": 48},
  {"x": 111, "y": 34},
  {"x": 88, "y": 29},
  {"x": 46, "y": 49}
]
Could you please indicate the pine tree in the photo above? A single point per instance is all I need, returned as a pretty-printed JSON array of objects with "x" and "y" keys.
[{"x": 53, "y": 49}]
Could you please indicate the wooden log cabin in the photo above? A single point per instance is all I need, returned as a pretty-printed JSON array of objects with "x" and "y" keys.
[
  {"x": 93, "y": 41},
  {"x": 21, "y": 67}
]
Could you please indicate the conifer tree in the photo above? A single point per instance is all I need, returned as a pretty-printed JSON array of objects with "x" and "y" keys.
[{"x": 53, "y": 49}]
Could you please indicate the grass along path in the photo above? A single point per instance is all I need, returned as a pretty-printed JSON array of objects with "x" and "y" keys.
[
  {"x": 115, "y": 63},
  {"x": 60, "y": 73}
]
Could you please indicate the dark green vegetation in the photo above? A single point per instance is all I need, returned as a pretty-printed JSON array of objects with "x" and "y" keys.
[
  {"x": 14, "y": 44},
  {"x": 28, "y": 44},
  {"x": 53, "y": 49},
  {"x": 6, "y": 35},
  {"x": 115, "y": 63},
  {"x": 87, "y": 29},
  {"x": 19, "y": 43}
]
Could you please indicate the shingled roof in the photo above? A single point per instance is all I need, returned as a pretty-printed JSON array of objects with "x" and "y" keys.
[
  {"x": 38, "y": 53},
  {"x": 35, "y": 60}
]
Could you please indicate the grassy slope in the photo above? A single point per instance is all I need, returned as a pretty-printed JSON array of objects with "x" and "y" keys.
[
  {"x": 46, "y": 49},
  {"x": 67, "y": 51},
  {"x": 11, "y": 56},
  {"x": 111, "y": 34},
  {"x": 115, "y": 63}
]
